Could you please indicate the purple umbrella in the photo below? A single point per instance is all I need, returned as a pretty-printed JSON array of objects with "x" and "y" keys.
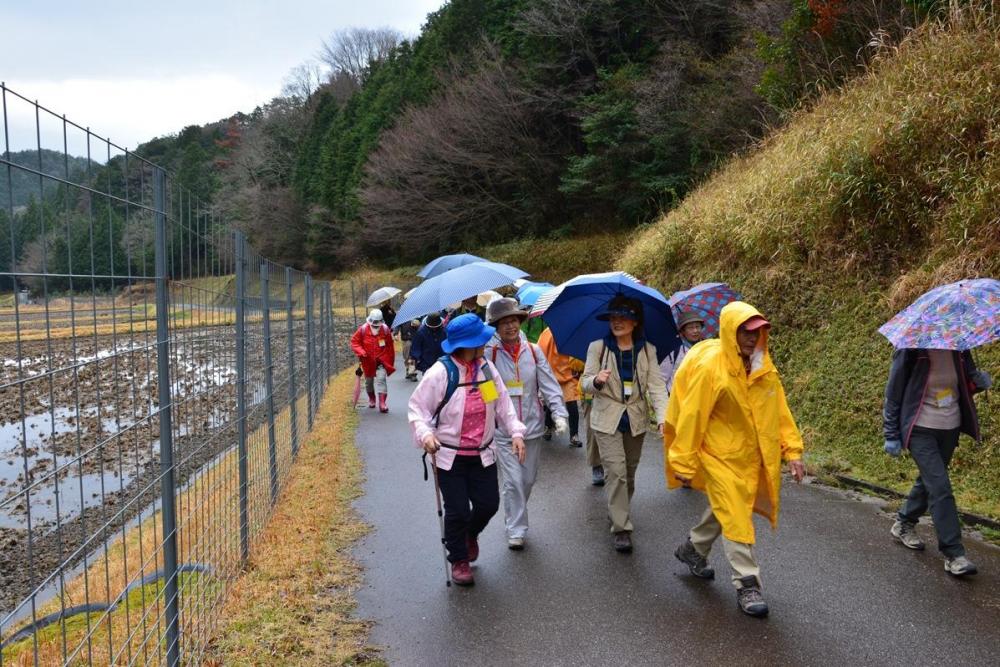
[
  {"x": 957, "y": 316},
  {"x": 706, "y": 299}
]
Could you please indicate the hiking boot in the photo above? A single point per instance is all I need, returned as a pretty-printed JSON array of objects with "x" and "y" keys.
[
  {"x": 623, "y": 542},
  {"x": 547, "y": 434},
  {"x": 461, "y": 573},
  {"x": 597, "y": 475},
  {"x": 959, "y": 566},
  {"x": 749, "y": 598},
  {"x": 472, "y": 544},
  {"x": 371, "y": 400},
  {"x": 515, "y": 543},
  {"x": 574, "y": 441},
  {"x": 698, "y": 564},
  {"x": 383, "y": 403},
  {"x": 905, "y": 533}
]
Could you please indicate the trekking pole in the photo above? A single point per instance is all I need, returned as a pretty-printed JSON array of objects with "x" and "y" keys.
[{"x": 437, "y": 500}]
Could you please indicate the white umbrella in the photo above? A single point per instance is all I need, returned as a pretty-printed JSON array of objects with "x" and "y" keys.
[
  {"x": 381, "y": 295},
  {"x": 486, "y": 297}
]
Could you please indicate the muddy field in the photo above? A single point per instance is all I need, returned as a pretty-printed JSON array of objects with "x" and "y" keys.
[{"x": 79, "y": 434}]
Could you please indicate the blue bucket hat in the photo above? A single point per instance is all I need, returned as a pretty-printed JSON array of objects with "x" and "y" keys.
[{"x": 466, "y": 331}]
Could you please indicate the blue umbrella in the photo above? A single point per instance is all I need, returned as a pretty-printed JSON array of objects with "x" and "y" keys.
[
  {"x": 439, "y": 292},
  {"x": 444, "y": 263},
  {"x": 573, "y": 315},
  {"x": 528, "y": 294}
]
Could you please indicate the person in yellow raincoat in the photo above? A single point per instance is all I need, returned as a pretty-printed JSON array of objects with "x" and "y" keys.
[{"x": 727, "y": 429}]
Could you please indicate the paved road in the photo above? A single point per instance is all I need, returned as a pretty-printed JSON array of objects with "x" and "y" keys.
[{"x": 840, "y": 591}]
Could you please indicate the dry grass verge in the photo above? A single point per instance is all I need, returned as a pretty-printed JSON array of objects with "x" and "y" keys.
[{"x": 293, "y": 606}]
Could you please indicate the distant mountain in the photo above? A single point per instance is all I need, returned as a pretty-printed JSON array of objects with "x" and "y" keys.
[{"x": 24, "y": 185}]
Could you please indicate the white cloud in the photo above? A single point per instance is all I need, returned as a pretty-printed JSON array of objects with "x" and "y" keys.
[{"x": 128, "y": 111}]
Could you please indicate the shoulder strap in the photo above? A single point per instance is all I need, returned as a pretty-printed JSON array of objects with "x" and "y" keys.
[
  {"x": 534, "y": 353},
  {"x": 453, "y": 383}
]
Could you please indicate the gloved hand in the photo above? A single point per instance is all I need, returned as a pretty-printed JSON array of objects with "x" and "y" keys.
[
  {"x": 893, "y": 447},
  {"x": 562, "y": 426},
  {"x": 982, "y": 380},
  {"x": 359, "y": 372}
]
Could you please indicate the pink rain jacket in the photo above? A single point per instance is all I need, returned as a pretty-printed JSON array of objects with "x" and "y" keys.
[{"x": 430, "y": 392}]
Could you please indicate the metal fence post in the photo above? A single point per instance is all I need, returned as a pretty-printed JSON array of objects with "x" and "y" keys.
[
  {"x": 354, "y": 305},
  {"x": 310, "y": 359},
  {"x": 167, "y": 483},
  {"x": 333, "y": 330},
  {"x": 241, "y": 389},
  {"x": 265, "y": 290},
  {"x": 292, "y": 395}
]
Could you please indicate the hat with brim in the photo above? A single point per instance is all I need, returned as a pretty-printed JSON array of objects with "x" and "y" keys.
[
  {"x": 689, "y": 316},
  {"x": 619, "y": 311},
  {"x": 503, "y": 308},
  {"x": 466, "y": 331},
  {"x": 755, "y": 322},
  {"x": 433, "y": 320}
]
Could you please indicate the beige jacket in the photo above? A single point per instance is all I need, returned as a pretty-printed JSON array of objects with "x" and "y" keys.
[{"x": 650, "y": 391}]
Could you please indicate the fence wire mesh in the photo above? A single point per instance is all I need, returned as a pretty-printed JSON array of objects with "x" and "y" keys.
[{"x": 158, "y": 378}]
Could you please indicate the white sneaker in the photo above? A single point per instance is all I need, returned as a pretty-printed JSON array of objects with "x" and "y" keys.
[
  {"x": 907, "y": 534},
  {"x": 515, "y": 543},
  {"x": 959, "y": 566}
]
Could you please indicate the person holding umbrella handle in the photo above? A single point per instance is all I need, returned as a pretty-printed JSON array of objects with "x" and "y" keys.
[
  {"x": 928, "y": 403},
  {"x": 453, "y": 414},
  {"x": 623, "y": 375}
]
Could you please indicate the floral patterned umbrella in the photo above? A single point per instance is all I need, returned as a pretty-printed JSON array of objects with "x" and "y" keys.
[
  {"x": 958, "y": 316},
  {"x": 706, "y": 299}
]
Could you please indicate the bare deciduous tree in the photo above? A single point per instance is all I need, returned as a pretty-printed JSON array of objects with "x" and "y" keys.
[
  {"x": 473, "y": 165},
  {"x": 353, "y": 50},
  {"x": 302, "y": 81}
]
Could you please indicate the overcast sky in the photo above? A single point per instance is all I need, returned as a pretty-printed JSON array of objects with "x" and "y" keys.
[{"x": 135, "y": 70}]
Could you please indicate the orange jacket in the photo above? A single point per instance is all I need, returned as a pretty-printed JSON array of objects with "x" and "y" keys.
[{"x": 566, "y": 368}]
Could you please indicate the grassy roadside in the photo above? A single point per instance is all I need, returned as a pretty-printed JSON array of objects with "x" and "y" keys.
[
  {"x": 293, "y": 604},
  {"x": 880, "y": 191}
]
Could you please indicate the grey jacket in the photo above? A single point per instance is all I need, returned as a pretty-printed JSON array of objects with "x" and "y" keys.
[
  {"x": 904, "y": 393},
  {"x": 609, "y": 400},
  {"x": 540, "y": 386}
]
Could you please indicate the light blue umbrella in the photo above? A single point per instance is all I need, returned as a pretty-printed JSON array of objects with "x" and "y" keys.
[
  {"x": 528, "y": 293},
  {"x": 439, "y": 292},
  {"x": 444, "y": 263}
]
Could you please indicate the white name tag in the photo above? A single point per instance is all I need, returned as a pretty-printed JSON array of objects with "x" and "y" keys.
[
  {"x": 628, "y": 389},
  {"x": 515, "y": 388}
]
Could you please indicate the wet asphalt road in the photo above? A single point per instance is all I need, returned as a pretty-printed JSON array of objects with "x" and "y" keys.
[{"x": 840, "y": 590}]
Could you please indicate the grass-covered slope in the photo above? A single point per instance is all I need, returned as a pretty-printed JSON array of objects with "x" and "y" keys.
[{"x": 877, "y": 193}]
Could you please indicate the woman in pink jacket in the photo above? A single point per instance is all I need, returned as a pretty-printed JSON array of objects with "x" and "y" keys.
[{"x": 457, "y": 431}]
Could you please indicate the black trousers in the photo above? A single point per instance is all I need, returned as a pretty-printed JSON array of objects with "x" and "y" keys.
[
  {"x": 931, "y": 450},
  {"x": 574, "y": 418},
  {"x": 471, "y": 498}
]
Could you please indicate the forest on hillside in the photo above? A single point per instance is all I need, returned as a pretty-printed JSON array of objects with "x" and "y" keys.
[{"x": 513, "y": 119}]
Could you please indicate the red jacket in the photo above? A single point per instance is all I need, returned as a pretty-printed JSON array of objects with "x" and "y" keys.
[{"x": 372, "y": 348}]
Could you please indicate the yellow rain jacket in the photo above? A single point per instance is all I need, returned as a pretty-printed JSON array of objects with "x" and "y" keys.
[{"x": 727, "y": 431}]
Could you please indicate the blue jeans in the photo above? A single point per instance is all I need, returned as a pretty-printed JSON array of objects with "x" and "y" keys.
[{"x": 931, "y": 450}]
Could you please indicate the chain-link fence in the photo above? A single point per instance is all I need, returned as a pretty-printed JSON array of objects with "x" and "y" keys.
[{"x": 158, "y": 377}]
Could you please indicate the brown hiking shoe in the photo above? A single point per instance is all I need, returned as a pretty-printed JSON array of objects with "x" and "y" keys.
[
  {"x": 749, "y": 598},
  {"x": 698, "y": 564},
  {"x": 461, "y": 573}
]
